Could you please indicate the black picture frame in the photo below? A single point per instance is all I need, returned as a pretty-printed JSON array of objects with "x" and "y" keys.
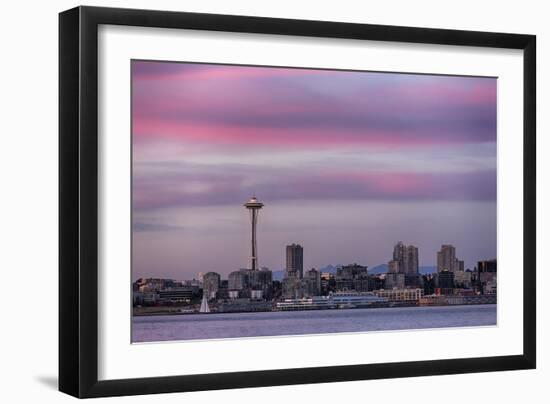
[{"x": 78, "y": 200}]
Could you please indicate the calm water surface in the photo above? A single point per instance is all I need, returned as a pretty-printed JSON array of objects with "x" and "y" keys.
[{"x": 235, "y": 325}]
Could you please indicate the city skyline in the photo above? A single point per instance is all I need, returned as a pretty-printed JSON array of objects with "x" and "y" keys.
[{"x": 348, "y": 163}]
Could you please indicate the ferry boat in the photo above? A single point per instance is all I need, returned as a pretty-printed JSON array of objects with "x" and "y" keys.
[{"x": 337, "y": 300}]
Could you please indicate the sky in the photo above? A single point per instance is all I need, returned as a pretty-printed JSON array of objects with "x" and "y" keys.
[{"x": 347, "y": 163}]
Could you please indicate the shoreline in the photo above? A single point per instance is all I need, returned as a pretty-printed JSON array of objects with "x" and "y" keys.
[{"x": 180, "y": 313}]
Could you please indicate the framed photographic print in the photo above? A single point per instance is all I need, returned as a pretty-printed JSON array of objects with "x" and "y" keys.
[{"x": 250, "y": 201}]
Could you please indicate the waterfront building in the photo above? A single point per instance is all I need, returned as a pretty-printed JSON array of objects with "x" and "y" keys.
[
  {"x": 352, "y": 277},
  {"x": 149, "y": 298},
  {"x": 400, "y": 295},
  {"x": 175, "y": 296},
  {"x": 303, "y": 303},
  {"x": 211, "y": 284},
  {"x": 357, "y": 300},
  {"x": 451, "y": 300},
  {"x": 328, "y": 283},
  {"x": 178, "y": 294},
  {"x": 294, "y": 261}
]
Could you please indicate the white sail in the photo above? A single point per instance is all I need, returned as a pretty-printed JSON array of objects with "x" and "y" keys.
[{"x": 204, "y": 305}]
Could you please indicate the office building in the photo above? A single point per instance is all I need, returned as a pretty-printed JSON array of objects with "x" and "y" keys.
[
  {"x": 463, "y": 279},
  {"x": 294, "y": 261},
  {"x": 312, "y": 282},
  {"x": 405, "y": 259},
  {"x": 446, "y": 258},
  {"x": 352, "y": 277},
  {"x": 292, "y": 288},
  {"x": 400, "y": 295},
  {"x": 261, "y": 280},
  {"x": 238, "y": 280},
  {"x": 394, "y": 281},
  {"x": 445, "y": 280},
  {"x": 447, "y": 261},
  {"x": 487, "y": 276}
]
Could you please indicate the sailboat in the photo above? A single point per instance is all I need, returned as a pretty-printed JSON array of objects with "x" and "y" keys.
[{"x": 204, "y": 305}]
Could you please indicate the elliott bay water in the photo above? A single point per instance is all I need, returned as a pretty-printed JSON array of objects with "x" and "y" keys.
[{"x": 236, "y": 325}]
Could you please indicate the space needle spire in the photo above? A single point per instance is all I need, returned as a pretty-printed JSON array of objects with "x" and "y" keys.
[{"x": 253, "y": 206}]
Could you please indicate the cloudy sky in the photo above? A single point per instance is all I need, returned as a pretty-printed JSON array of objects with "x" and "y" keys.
[{"x": 346, "y": 163}]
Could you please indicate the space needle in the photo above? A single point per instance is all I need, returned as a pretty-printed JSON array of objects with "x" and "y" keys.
[{"x": 253, "y": 205}]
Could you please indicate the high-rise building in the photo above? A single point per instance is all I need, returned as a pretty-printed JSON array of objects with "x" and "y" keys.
[
  {"x": 446, "y": 259},
  {"x": 211, "y": 284},
  {"x": 411, "y": 267},
  {"x": 405, "y": 260},
  {"x": 294, "y": 261},
  {"x": 394, "y": 267}
]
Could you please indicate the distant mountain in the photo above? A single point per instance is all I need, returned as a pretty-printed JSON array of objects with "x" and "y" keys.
[
  {"x": 379, "y": 269},
  {"x": 383, "y": 268},
  {"x": 330, "y": 268}
]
